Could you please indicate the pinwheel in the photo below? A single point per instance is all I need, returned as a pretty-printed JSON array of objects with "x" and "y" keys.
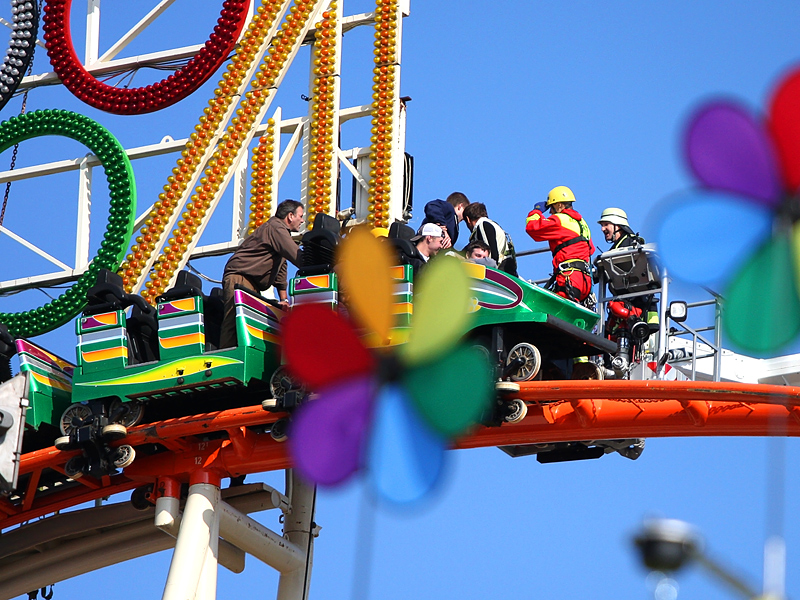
[
  {"x": 391, "y": 409},
  {"x": 740, "y": 226}
]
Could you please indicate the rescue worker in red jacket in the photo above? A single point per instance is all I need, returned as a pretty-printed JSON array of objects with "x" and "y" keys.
[{"x": 570, "y": 242}]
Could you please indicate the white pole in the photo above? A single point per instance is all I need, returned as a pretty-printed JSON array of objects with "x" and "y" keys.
[
  {"x": 207, "y": 589},
  {"x": 298, "y": 529},
  {"x": 194, "y": 540}
]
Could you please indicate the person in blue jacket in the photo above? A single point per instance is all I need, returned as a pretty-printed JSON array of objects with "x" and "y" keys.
[{"x": 447, "y": 214}]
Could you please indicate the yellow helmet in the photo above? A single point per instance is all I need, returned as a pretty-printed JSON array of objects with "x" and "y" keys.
[
  {"x": 616, "y": 216},
  {"x": 560, "y": 193}
]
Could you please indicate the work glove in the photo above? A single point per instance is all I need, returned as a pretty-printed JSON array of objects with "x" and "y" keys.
[{"x": 540, "y": 206}]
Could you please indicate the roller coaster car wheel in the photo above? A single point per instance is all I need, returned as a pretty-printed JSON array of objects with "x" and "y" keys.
[
  {"x": 281, "y": 382},
  {"x": 63, "y": 443},
  {"x": 508, "y": 387},
  {"x": 114, "y": 432},
  {"x": 124, "y": 456},
  {"x": 74, "y": 467},
  {"x": 532, "y": 361},
  {"x": 81, "y": 411},
  {"x": 517, "y": 411},
  {"x": 279, "y": 429},
  {"x": 131, "y": 413},
  {"x": 140, "y": 497}
]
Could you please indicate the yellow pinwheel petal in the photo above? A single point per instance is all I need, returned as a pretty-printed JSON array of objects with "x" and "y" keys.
[
  {"x": 364, "y": 268},
  {"x": 441, "y": 310}
]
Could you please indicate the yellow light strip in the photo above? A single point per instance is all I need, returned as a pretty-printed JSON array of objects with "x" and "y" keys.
[
  {"x": 324, "y": 130},
  {"x": 383, "y": 108},
  {"x": 198, "y": 151},
  {"x": 238, "y": 134},
  {"x": 261, "y": 179}
]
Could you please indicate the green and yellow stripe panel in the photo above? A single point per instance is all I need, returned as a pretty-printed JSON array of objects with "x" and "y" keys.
[
  {"x": 315, "y": 289},
  {"x": 49, "y": 381},
  {"x": 181, "y": 329},
  {"x": 257, "y": 322},
  {"x": 102, "y": 342}
]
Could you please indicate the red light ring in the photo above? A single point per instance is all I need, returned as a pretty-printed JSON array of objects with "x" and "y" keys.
[{"x": 136, "y": 101}]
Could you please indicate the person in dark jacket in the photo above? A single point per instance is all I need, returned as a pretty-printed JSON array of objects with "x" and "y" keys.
[
  {"x": 447, "y": 214},
  {"x": 260, "y": 263}
]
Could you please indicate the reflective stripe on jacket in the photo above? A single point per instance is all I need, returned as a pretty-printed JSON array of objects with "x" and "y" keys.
[{"x": 560, "y": 228}]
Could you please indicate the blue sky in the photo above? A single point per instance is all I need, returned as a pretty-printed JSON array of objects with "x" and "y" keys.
[{"x": 509, "y": 100}]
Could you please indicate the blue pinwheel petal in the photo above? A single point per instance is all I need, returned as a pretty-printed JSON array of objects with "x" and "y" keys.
[
  {"x": 405, "y": 457},
  {"x": 704, "y": 236},
  {"x": 762, "y": 310},
  {"x": 728, "y": 149}
]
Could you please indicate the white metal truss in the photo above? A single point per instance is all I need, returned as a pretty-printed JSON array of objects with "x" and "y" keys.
[{"x": 352, "y": 161}]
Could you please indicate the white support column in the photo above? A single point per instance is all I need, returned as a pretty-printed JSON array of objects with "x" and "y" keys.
[
  {"x": 397, "y": 193},
  {"x": 337, "y": 96},
  {"x": 276, "y": 160},
  {"x": 92, "y": 32},
  {"x": 84, "y": 215},
  {"x": 298, "y": 529},
  {"x": 194, "y": 540},
  {"x": 241, "y": 198},
  {"x": 207, "y": 588}
]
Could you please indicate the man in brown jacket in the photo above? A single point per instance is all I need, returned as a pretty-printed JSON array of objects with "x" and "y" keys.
[{"x": 260, "y": 263}]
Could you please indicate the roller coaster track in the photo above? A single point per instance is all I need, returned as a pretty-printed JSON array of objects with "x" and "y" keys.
[{"x": 234, "y": 442}]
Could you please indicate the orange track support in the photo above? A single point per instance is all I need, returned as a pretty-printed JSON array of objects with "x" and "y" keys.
[{"x": 558, "y": 411}]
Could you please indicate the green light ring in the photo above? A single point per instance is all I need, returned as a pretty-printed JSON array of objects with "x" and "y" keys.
[{"x": 122, "y": 213}]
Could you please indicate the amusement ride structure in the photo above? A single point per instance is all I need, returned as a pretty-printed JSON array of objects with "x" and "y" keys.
[{"x": 153, "y": 407}]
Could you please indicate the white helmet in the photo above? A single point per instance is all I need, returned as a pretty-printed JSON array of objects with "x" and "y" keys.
[{"x": 615, "y": 216}]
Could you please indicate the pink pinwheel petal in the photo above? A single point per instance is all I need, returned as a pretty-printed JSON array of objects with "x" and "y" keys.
[
  {"x": 785, "y": 128},
  {"x": 727, "y": 149},
  {"x": 327, "y": 435}
]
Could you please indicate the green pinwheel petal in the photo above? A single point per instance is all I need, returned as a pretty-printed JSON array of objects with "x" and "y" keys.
[
  {"x": 441, "y": 311},
  {"x": 762, "y": 308},
  {"x": 452, "y": 393}
]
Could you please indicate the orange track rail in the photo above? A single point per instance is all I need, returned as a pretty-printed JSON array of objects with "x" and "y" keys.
[{"x": 558, "y": 411}]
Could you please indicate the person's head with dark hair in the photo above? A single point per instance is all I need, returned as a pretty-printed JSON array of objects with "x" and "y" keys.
[
  {"x": 476, "y": 249},
  {"x": 459, "y": 202},
  {"x": 291, "y": 213},
  {"x": 473, "y": 212}
]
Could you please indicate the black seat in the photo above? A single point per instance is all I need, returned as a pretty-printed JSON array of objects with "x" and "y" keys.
[
  {"x": 319, "y": 246},
  {"x": 213, "y": 312},
  {"x": 401, "y": 231},
  {"x": 400, "y": 235},
  {"x": 7, "y": 349},
  {"x": 187, "y": 284},
  {"x": 142, "y": 327}
]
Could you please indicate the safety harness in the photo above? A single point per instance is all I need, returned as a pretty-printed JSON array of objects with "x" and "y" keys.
[{"x": 572, "y": 264}]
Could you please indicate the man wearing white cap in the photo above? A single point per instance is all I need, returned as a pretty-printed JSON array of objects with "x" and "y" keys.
[{"x": 427, "y": 243}]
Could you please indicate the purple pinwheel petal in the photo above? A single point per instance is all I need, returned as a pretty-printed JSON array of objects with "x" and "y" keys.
[
  {"x": 326, "y": 439},
  {"x": 406, "y": 457},
  {"x": 727, "y": 149}
]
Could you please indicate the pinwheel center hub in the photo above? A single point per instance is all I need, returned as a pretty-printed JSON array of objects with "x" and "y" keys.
[{"x": 390, "y": 369}]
